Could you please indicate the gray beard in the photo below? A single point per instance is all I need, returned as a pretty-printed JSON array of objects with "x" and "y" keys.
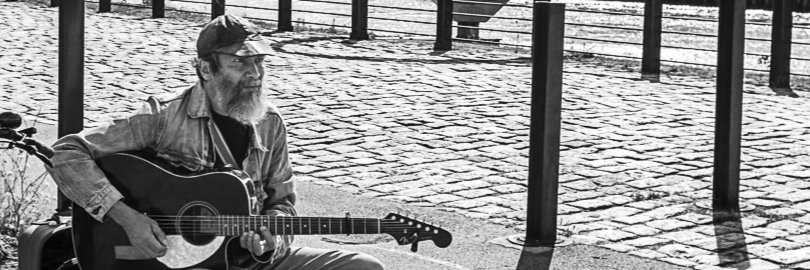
[{"x": 246, "y": 107}]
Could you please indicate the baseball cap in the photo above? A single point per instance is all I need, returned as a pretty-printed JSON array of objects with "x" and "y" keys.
[{"x": 223, "y": 33}]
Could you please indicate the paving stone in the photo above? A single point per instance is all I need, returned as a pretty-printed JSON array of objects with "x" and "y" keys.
[
  {"x": 619, "y": 247},
  {"x": 789, "y": 226},
  {"x": 646, "y": 241},
  {"x": 681, "y": 251},
  {"x": 767, "y": 233},
  {"x": 646, "y": 253},
  {"x": 633, "y": 219},
  {"x": 641, "y": 230},
  {"x": 611, "y": 235},
  {"x": 790, "y": 257}
]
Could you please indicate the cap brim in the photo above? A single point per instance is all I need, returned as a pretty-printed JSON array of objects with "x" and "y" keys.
[{"x": 253, "y": 48}]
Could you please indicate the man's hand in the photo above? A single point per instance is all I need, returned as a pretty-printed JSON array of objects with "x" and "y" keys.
[
  {"x": 264, "y": 241},
  {"x": 144, "y": 233}
]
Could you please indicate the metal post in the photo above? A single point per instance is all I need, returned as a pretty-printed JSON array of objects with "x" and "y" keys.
[
  {"x": 71, "y": 74},
  {"x": 728, "y": 125},
  {"x": 444, "y": 25},
  {"x": 285, "y": 15},
  {"x": 158, "y": 8},
  {"x": 544, "y": 137},
  {"x": 780, "y": 45},
  {"x": 651, "y": 55},
  {"x": 359, "y": 20},
  {"x": 217, "y": 8},
  {"x": 54, "y": 3},
  {"x": 104, "y": 6}
]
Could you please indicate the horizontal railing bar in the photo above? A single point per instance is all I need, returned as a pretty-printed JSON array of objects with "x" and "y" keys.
[
  {"x": 800, "y": 58},
  {"x": 321, "y": 12},
  {"x": 605, "y": 26},
  {"x": 261, "y": 19},
  {"x": 323, "y": 24},
  {"x": 689, "y": 19},
  {"x": 492, "y": 29},
  {"x": 400, "y": 32},
  {"x": 404, "y": 8},
  {"x": 129, "y": 5},
  {"x": 689, "y": 34},
  {"x": 189, "y": 11},
  {"x": 328, "y": 2},
  {"x": 489, "y": 16},
  {"x": 605, "y": 12},
  {"x": 605, "y": 40},
  {"x": 687, "y": 63},
  {"x": 400, "y": 20},
  {"x": 491, "y": 42},
  {"x": 250, "y": 7},
  {"x": 606, "y": 54},
  {"x": 688, "y": 48},
  {"x": 491, "y": 3},
  {"x": 186, "y": 1},
  {"x": 800, "y": 74},
  {"x": 759, "y": 70}
]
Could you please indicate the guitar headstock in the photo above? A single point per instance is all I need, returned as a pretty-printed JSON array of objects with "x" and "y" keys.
[{"x": 408, "y": 230}]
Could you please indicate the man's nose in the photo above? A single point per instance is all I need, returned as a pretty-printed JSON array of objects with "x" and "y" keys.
[{"x": 254, "y": 69}]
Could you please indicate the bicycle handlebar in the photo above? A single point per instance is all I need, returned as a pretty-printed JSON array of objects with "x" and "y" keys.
[{"x": 22, "y": 138}]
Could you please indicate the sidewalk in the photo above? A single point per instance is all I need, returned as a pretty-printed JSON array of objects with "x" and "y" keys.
[{"x": 393, "y": 123}]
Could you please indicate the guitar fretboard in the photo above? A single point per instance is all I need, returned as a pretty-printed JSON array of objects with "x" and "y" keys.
[{"x": 238, "y": 225}]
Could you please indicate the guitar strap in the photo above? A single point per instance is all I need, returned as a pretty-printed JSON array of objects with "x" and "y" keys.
[{"x": 220, "y": 146}]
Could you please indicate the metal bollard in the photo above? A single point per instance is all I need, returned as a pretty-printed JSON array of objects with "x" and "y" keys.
[
  {"x": 781, "y": 34},
  {"x": 728, "y": 117},
  {"x": 359, "y": 20},
  {"x": 444, "y": 25},
  {"x": 158, "y": 8},
  {"x": 285, "y": 16},
  {"x": 217, "y": 8},
  {"x": 71, "y": 75},
  {"x": 544, "y": 137},
  {"x": 651, "y": 54}
]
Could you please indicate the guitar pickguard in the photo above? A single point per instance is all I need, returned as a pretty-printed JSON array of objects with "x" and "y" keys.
[{"x": 181, "y": 254}]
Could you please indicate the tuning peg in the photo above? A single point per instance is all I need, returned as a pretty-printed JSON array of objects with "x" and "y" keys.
[
  {"x": 415, "y": 215},
  {"x": 399, "y": 210},
  {"x": 406, "y": 212}
]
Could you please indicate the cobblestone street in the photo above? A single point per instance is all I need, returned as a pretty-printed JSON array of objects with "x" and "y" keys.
[{"x": 393, "y": 119}]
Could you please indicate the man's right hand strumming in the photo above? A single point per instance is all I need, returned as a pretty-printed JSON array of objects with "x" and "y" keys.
[{"x": 144, "y": 233}]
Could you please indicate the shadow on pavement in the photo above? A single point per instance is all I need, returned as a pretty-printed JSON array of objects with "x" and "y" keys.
[
  {"x": 535, "y": 258},
  {"x": 731, "y": 247}
]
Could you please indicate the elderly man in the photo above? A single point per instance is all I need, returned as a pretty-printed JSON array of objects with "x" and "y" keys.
[{"x": 221, "y": 120}]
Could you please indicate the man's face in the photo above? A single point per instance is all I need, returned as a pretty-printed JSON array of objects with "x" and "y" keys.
[{"x": 237, "y": 87}]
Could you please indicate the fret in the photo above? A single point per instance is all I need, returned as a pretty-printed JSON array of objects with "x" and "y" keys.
[
  {"x": 352, "y": 221},
  {"x": 310, "y": 225},
  {"x": 364, "y": 227},
  {"x": 378, "y": 226},
  {"x": 319, "y": 226},
  {"x": 300, "y": 230}
]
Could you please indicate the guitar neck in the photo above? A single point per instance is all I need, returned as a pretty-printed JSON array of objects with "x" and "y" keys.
[{"x": 237, "y": 225}]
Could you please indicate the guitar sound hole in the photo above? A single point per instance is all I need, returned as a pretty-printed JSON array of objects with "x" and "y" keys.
[{"x": 197, "y": 224}]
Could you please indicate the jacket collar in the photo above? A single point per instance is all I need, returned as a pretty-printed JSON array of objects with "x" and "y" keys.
[{"x": 200, "y": 106}]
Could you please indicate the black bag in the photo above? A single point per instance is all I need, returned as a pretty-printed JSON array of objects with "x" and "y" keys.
[{"x": 47, "y": 245}]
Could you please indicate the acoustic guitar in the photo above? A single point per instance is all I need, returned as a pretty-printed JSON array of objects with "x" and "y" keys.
[{"x": 204, "y": 215}]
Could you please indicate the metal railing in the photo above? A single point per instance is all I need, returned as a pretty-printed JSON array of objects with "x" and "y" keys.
[{"x": 652, "y": 29}]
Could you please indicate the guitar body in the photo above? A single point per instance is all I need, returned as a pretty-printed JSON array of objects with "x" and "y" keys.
[{"x": 154, "y": 191}]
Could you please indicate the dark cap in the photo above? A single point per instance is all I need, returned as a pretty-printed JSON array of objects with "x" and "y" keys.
[{"x": 227, "y": 31}]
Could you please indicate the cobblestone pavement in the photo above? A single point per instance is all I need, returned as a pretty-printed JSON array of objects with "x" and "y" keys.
[{"x": 393, "y": 119}]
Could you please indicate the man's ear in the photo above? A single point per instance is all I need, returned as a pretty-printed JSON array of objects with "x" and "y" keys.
[{"x": 205, "y": 70}]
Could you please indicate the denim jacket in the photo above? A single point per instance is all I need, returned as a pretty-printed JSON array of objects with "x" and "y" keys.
[{"x": 176, "y": 129}]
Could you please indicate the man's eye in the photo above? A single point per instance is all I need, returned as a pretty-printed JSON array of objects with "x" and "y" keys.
[
  {"x": 239, "y": 60},
  {"x": 258, "y": 60}
]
